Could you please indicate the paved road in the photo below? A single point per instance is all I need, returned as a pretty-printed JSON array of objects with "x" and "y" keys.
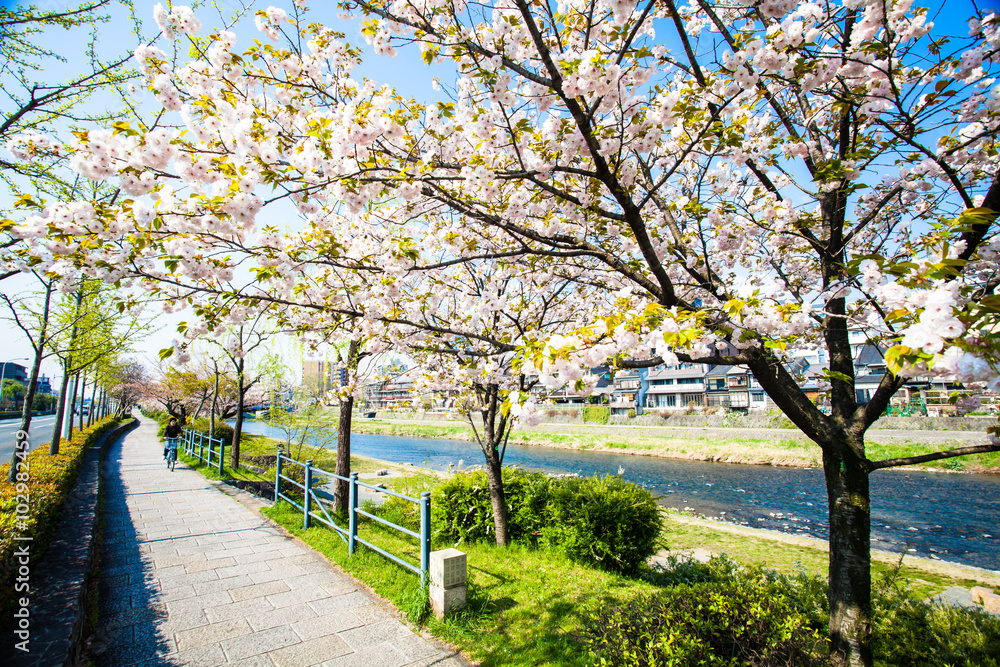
[
  {"x": 39, "y": 434},
  {"x": 190, "y": 576}
]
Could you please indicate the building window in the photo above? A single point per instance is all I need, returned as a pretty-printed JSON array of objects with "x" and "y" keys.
[
  {"x": 671, "y": 401},
  {"x": 757, "y": 396}
]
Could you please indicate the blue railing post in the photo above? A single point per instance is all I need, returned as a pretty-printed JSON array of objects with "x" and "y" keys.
[
  {"x": 425, "y": 536},
  {"x": 352, "y": 516},
  {"x": 277, "y": 476},
  {"x": 201, "y": 446},
  {"x": 211, "y": 450},
  {"x": 308, "y": 489},
  {"x": 222, "y": 454}
]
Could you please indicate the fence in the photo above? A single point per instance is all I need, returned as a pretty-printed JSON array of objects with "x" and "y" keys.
[
  {"x": 314, "y": 497},
  {"x": 195, "y": 443}
]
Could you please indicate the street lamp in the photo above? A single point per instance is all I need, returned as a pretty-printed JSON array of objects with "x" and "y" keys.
[{"x": 3, "y": 372}]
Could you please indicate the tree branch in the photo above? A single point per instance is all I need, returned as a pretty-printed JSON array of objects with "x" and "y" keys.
[{"x": 936, "y": 456}]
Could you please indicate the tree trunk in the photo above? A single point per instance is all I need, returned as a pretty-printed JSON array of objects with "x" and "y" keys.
[
  {"x": 238, "y": 427},
  {"x": 343, "y": 469},
  {"x": 91, "y": 417},
  {"x": 494, "y": 429},
  {"x": 72, "y": 407},
  {"x": 60, "y": 412},
  {"x": 850, "y": 565},
  {"x": 215, "y": 404},
  {"x": 21, "y": 436},
  {"x": 498, "y": 497},
  {"x": 83, "y": 395}
]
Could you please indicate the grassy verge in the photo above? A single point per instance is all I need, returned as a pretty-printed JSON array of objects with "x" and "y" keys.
[{"x": 773, "y": 449}]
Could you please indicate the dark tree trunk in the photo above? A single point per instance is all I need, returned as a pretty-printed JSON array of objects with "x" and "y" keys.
[
  {"x": 850, "y": 592},
  {"x": 83, "y": 395},
  {"x": 21, "y": 437},
  {"x": 343, "y": 468},
  {"x": 493, "y": 444},
  {"x": 215, "y": 403},
  {"x": 498, "y": 496},
  {"x": 60, "y": 412},
  {"x": 72, "y": 407},
  {"x": 91, "y": 413},
  {"x": 234, "y": 461}
]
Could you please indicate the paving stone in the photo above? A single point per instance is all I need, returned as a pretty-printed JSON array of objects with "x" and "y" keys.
[
  {"x": 294, "y": 597},
  {"x": 239, "y": 609},
  {"x": 328, "y": 624},
  {"x": 270, "y": 590},
  {"x": 372, "y": 613},
  {"x": 209, "y": 655},
  {"x": 286, "y": 616},
  {"x": 312, "y": 652},
  {"x": 380, "y": 655},
  {"x": 331, "y": 605},
  {"x": 227, "y": 584},
  {"x": 265, "y": 641},
  {"x": 213, "y": 633},
  {"x": 201, "y": 565}
]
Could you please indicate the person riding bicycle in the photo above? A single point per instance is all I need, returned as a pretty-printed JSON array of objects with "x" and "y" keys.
[{"x": 171, "y": 435}]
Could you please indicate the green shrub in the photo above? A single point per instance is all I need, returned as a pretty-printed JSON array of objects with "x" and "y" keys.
[
  {"x": 914, "y": 632},
  {"x": 630, "y": 414},
  {"x": 605, "y": 522},
  {"x": 743, "y": 620},
  {"x": 599, "y": 414},
  {"x": 463, "y": 511}
]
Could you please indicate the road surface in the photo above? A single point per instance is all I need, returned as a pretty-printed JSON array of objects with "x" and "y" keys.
[{"x": 39, "y": 434}]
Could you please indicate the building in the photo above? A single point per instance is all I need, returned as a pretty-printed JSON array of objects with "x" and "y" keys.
[
  {"x": 319, "y": 378},
  {"x": 676, "y": 387},
  {"x": 628, "y": 391},
  {"x": 16, "y": 372}
]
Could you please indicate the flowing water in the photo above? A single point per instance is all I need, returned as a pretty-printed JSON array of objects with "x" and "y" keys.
[{"x": 954, "y": 517}]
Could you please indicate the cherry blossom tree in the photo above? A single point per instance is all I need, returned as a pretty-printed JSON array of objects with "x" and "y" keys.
[{"x": 735, "y": 180}]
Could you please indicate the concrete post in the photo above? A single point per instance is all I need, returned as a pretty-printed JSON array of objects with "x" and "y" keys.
[{"x": 448, "y": 581}]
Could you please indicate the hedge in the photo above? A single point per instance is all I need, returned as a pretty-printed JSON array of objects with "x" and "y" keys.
[
  {"x": 596, "y": 413},
  {"x": 49, "y": 481}
]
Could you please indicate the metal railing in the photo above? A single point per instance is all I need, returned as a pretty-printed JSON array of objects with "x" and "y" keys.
[
  {"x": 313, "y": 507},
  {"x": 195, "y": 444}
]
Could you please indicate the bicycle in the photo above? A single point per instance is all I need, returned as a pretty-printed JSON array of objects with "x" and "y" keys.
[{"x": 171, "y": 453}]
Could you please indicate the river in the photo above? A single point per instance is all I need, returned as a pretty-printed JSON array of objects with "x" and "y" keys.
[{"x": 954, "y": 517}]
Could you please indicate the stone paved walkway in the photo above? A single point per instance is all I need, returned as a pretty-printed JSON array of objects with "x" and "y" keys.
[{"x": 189, "y": 576}]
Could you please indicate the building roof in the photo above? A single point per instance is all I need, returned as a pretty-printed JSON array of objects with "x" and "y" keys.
[{"x": 870, "y": 355}]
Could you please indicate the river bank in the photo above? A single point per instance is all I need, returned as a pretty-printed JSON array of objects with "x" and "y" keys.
[{"x": 750, "y": 446}]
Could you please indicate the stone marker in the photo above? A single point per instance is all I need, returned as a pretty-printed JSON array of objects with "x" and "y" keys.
[{"x": 448, "y": 581}]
